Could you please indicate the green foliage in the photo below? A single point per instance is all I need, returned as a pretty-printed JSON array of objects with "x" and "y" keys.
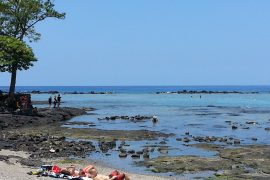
[
  {"x": 19, "y": 17},
  {"x": 15, "y": 52}
]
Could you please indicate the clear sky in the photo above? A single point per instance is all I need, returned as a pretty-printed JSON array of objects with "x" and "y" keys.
[{"x": 153, "y": 42}]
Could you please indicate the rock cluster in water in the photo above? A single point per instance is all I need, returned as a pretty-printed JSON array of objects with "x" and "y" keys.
[
  {"x": 123, "y": 152},
  {"x": 136, "y": 118},
  {"x": 204, "y": 92},
  {"x": 74, "y": 92},
  {"x": 210, "y": 139}
]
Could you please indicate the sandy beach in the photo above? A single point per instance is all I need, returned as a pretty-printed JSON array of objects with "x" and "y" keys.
[{"x": 12, "y": 170}]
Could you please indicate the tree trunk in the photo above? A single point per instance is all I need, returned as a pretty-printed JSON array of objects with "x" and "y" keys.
[{"x": 13, "y": 81}]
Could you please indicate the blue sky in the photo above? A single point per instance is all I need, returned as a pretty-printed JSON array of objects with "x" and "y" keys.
[{"x": 153, "y": 42}]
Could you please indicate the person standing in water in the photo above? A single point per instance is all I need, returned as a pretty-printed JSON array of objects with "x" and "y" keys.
[
  {"x": 54, "y": 101},
  {"x": 58, "y": 100},
  {"x": 50, "y": 101}
]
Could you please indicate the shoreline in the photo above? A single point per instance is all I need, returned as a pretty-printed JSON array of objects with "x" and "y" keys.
[
  {"x": 22, "y": 161},
  {"x": 51, "y": 138}
]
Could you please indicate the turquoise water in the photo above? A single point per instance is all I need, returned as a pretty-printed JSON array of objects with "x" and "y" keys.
[
  {"x": 177, "y": 113},
  {"x": 138, "y": 89},
  {"x": 180, "y": 113}
]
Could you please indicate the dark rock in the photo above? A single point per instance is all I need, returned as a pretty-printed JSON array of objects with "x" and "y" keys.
[
  {"x": 123, "y": 155},
  {"x": 251, "y": 122},
  {"x": 162, "y": 142},
  {"x": 139, "y": 152},
  {"x": 186, "y": 140},
  {"x": 254, "y": 139},
  {"x": 3, "y": 158},
  {"x": 236, "y": 141},
  {"x": 122, "y": 150},
  {"x": 163, "y": 150},
  {"x": 33, "y": 163},
  {"x": 135, "y": 156},
  {"x": 131, "y": 151},
  {"x": 146, "y": 156},
  {"x": 77, "y": 149}
]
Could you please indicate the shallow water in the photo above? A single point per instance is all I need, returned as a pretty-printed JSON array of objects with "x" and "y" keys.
[{"x": 177, "y": 113}]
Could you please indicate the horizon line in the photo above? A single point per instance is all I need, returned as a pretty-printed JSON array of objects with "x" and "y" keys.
[{"x": 126, "y": 85}]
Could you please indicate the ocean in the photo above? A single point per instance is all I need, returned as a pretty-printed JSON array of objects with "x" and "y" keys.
[{"x": 207, "y": 115}]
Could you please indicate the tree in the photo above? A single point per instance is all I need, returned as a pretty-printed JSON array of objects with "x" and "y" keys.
[
  {"x": 14, "y": 55},
  {"x": 18, "y": 19}
]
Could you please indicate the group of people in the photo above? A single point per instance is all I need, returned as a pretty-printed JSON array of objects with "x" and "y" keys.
[
  {"x": 91, "y": 172},
  {"x": 56, "y": 101},
  {"x": 24, "y": 105},
  {"x": 87, "y": 173}
]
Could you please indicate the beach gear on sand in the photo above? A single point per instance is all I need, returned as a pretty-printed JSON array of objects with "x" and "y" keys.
[
  {"x": 86, "y": 178},
  {"x": 74, "y": 178},
  {"x": 56, "y": 169},
  {"x": 57, "y": 172},
  {"x": 47, "y": 167}
]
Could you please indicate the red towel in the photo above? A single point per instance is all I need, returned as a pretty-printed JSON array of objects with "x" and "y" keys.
[{"x": 56, "y": 169}]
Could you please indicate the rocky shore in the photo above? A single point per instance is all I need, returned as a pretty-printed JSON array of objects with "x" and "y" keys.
[
  {"x": 245, "y": 162},
  {"x": 47, "y": 135},
  {"x": 44, "y": 116},
  {"x": 43, "y": 136},
  {"x": 14, "y": 135}
]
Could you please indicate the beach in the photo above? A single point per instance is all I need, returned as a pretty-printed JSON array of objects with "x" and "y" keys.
[
  {"x": 14, "y": 171},
  {"x": 196, "y": 135},
  {"x": 15, "y": 163},
  {"x": 156, "y": 89}
]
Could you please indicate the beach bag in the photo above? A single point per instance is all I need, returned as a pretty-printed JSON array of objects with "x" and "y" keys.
[{"x": 47, "y": 167}]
